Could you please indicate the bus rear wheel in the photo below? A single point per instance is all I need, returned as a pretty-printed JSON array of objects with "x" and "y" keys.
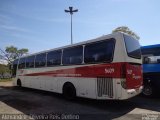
[{"x": 69, "y": 91}]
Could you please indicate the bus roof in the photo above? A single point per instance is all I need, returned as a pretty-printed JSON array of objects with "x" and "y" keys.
[
  {"x": 76, "y": 44},
  {"x": 151, "y": 49},
  {"x": 150, "y": 46}
]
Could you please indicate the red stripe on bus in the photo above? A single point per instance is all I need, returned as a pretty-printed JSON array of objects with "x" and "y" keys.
[
  {"x": 113, "y": 70},
  {"x": 132, "y": 73}
]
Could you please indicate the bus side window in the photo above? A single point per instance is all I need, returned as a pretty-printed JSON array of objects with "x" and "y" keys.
[
  {"x": 99, "y": 52},
  {"x": 145, "y": 60},
  {"x": 30, "y": 62},
  {"x": 54, "y": 58},
  {"x": 40, "y": 60},
  {"x": 73, "y": 56},
  {"x": 21, "y": 64},
  {"x": 158, "y": 60}
]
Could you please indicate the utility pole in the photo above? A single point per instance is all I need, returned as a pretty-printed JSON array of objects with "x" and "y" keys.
[{"x": 71, "y": 11}]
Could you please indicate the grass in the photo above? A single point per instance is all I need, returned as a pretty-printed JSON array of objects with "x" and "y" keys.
[{"x": 5, "y": 79}]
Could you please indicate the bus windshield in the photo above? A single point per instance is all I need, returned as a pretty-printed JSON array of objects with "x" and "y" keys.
[{"x": 132, "y": 46}]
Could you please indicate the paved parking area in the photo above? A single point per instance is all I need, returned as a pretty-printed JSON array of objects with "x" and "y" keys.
[{"x": 35, "y": 102}]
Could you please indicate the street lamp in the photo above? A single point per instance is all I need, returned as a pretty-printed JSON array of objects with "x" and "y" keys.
[{"x": 71, "y": 11}]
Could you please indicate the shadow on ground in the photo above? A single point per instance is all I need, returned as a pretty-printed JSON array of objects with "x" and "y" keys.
[{"x": 30, "y": 101}]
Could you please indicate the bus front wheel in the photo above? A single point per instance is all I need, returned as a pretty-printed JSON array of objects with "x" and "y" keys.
[
  {"x": 69, "y": 91},
  {"x": 19, "y": 84}
]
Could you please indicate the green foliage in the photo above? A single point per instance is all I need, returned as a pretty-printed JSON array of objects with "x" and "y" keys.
[
  {"x": 125, "y": 29},
  {"x": 4, "y": 69},
  {"x": 11, "y": 53},
  {"x": 22, "y": 51}
]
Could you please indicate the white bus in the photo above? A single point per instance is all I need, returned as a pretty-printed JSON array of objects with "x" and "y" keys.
[{"x": 108, "y": 67}]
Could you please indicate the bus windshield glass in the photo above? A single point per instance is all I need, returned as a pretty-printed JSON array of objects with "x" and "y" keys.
[{"x": 132, "y": 46}]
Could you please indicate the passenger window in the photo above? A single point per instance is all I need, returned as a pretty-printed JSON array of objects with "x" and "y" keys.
[
  {"x": 30, "y": 62},
  {"x": 146, "y": 60},
  {"x": 158, "y": 60},
  {"x": 73, "y": 55},
  {"x": 21, "y": 63},
  {"x": 99, "y": 51},
  {"x": 40, "y": 60},
  {"x": 54, "y": 58}
]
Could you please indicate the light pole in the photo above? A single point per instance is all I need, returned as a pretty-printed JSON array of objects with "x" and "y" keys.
[{"x": 71, "y": 11}]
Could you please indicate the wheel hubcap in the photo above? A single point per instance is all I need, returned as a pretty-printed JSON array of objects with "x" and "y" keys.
[{"x": 147, "y": 90}]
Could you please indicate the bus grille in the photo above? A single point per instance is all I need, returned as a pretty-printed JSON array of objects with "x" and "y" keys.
[{"x": 105, "y": 87}]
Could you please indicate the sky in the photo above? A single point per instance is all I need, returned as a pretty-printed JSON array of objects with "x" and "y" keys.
[{"x": 42, "y": 24}]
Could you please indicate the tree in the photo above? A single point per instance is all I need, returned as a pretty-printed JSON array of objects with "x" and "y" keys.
[
  {"x": 3, "y": 70},
  {"x": 11, "y": 53},
  {"x": 22, "y": 52},
  {"x": 126, "y": 30}
]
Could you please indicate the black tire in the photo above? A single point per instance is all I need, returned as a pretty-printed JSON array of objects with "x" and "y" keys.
[
  {"x": 69, "y": 91},
  {"x": 19, "y": 84},
  {"x": 148, "y": 90}
]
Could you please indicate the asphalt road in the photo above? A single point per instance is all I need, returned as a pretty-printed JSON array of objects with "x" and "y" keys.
[{"x": 34, "y": 103}]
